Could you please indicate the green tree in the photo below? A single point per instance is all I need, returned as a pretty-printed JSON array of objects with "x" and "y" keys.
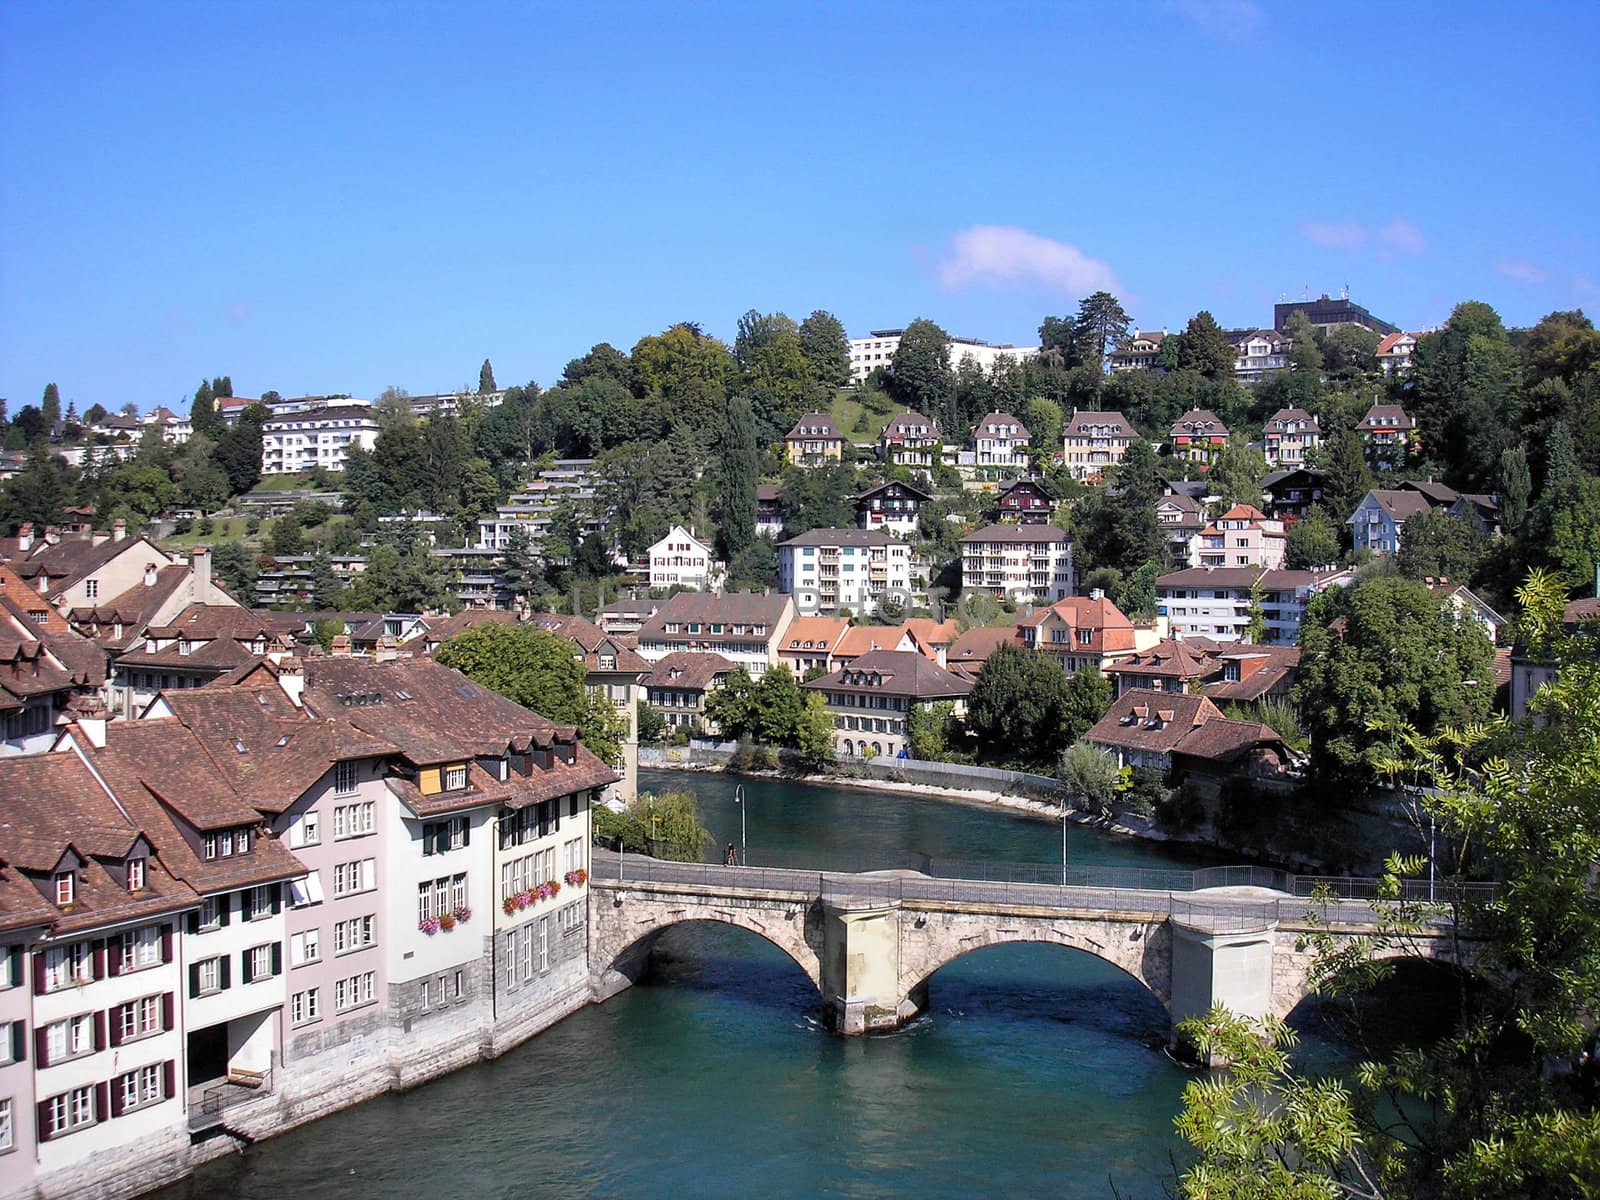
[
  {"x": 1571, "y": 513},
  {"x": 325, "y": 584},
  {"x": 1386, "y": 651},
  {"x": 538, "y": 670},
  {"x": 50, "y": 406},
  {"x": 1435, "y": 545},
  {"x": 235, "y": 567},
  {"x": 826, "y": 348},
  {"x": 288, "y": 537},
  {"x": 1087, "y": 697},
  {"x": 1024, "y": 708},
  {"x": 1117, "y": 527},
  {"x": 920, "y": 377},
  {"x": 1044, "y": 420},
  {"x": 1101, "y": 325},
  {"x": 1313, "y": 541},
  {"x": 1238, "y": 473},
  {"x": 1348, "y": 352},
  {"x": 927, "y": 730},
  {"x": 740, "y": 470},
  {"x": 1516, "y": 489},
  {"x": 814, "y": 734},
  {"x": 1349, "y": 479},
  {"x": 1089, "y": 776},
  {"x": 652, "y": 725},
  {"x": 779, "y": 707},
  {"x": 1205, "y": 348},
  {"x": 1305, "y": 352},
  {"x": 733, "y": 707},
  {"x": 486, "y": 379}
]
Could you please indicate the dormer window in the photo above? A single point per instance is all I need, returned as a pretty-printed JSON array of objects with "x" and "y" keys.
[
  {"x": 66, "y": 888},
  {"x": 184, "y": 645},
  {"x": 136, "y": 874},
  {"x": 455, "y": 777}
]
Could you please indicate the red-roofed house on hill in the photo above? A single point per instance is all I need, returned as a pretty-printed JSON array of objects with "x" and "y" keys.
[
  {"x": 910, "y": 439},
  {"x": 1242, "y": 536},
  {"x": 1080, "y": 631},
  {"x": 1026, "y": 502},
  {"x": 1161, "y": 731},
  {"x": 677, "y": 687},
  {"x": 1000, "y": 440},
  {"x": 1286, "y": 437},
  {"x": 1199, "y": 436},
  {"x": 1094, "y": 442},
  {"x": 1390, "y": 436},
  {"x": 814, "y": 441},
  {"x": 1395, "y": 351},
  {"x": 1378, "y": 520}
]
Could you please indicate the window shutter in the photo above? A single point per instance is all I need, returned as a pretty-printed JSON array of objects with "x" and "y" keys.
[
  {"x": 277, "y": 958},
  {"x": 44, "y": 1121},
  {"x": 100, "y": 1030},
  {"x": 14, "y": 966},
  {"x": 166, "y": 943},
  {"x": 38, "y": 972},
  {"x": 169, "y": 1078},
  {"x": 19, "y": 1042},
  {"x": 555, "y": 813},
  {"x": 277, "y": 899},
  {"x": 168, "y": 1013},
  {"x": 115, "y": 1030},
  {"x": 427, "y": 841},
  {"x": 41, "y": 1048},
  {"x": 194, "y": 980},
  {"x": 223, "y": 980},
  {"x": 193, "y": 921},
  {"x": 466, "y": 831},
  {"x": 246, "y": 899},
  {"x": 223, "y": 909},
  {"x": 101, "y": 1094},
  {"x": 113, "y": 957},
  {"x": 116, "y": 1099},
  {"x": 245, "y": 971},
  {"x": 99, "y": 957}
]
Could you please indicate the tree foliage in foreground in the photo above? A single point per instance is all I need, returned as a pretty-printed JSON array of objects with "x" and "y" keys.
[{"x": 1491, "y": 1108}]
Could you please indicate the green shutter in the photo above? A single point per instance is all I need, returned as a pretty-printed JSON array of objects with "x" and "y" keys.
[
  {"x": 194, "y": 980},
  {"x": 245, "y": 911},
  {"x": 222, "y": 980},
  {"x": 277, "y": 958}
]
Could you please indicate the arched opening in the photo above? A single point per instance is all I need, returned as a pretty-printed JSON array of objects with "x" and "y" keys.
[
  {"x": 1051, "y": 984},
  {"x": 849, "y": 748},
  {"x": 711, "y": 955}
]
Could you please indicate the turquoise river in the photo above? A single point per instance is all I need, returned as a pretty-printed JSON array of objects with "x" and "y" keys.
[{"x": 1036, "y": 1071}]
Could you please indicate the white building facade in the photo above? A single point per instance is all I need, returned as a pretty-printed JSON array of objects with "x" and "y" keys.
[
  {"x": 293, "y": 442},
  {"x": 831, "y": 569}
]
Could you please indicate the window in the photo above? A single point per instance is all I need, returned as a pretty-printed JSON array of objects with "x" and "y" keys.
[
  {"x": 455, "y": 777},
  {"x": 259, "y": 902},
  {"x": 304, "y": 947},
  {"x": 209, "y": 975},
  {"x": 354, "y": 934},
  {"x": 69, "y": 1038},
  {"x": 139, "y": 1018},
  {"x": 66, "y": 888},
  {"x": 69, "y": 1111},
  {"x": 353, "y": 992},
  {"x": 352, "y": 877},
  {"x": 439, "y": 837},
  {"x": 67, "y": 965},
  {"x": 91, "y": 589},
  {"x": 227, "y": 843},
  {"x": 140, "y": 948},
  {"x": 304, "y": 1007},
  {"x": 307, "y": 831},
  {"x": 141, "y": 1087},
  {"x": 136, "y": 874},
  {"x": 345, "y": 777},
  {"x": 305, "y": 892},
  {"x": 353, "y": 820},
  {"x": 263, "y": 962},
  {"x": 544, "y": 944},
  {"x": 7, "y": 1139},
  {"x": 437, "y": 897},
  {"x": 422, "y": 992}
]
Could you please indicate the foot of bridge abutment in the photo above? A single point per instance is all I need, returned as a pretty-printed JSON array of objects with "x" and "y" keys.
[
  {"x": 860, "y": 968},
  {"x": 1220, "y": 960}
]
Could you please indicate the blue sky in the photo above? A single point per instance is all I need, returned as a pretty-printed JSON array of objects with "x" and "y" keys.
[{"x": 321, "y": 198}]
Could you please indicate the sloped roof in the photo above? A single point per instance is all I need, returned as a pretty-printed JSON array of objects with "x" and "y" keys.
[
  {"x": 898, "y": 673},
  {"x": 1082, "y": 423},
  {"x": 1017, "y": 533},
  {"x": 1152, "y": 722},
  {"x": 820, "y": 421},
  {"x": 1287, "y": 420},
  {"x": 693, "y": 670},
  {"x": 1386, "y": 416},
  {"x": 972, "y": 649},
  {"x": 1199, "y": 422},
  {"x": 864, "y": 639},
  {"x": 708, "y": 608},
  {"x": 893, "y": 431},
  {"x": 997, "y": 424},
  {"x": 812, "y": 633},
  {"x": 1397, "y": 504}
]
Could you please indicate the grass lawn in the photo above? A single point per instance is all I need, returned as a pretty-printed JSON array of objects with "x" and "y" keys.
[
  {"x": 230, "y": 529},
  {"x": 857, "y": 421},
  {"x": 295, "y": 483}
]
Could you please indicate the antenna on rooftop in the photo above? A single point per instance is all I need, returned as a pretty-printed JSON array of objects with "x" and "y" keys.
[{"x": 1345, "y": 295}]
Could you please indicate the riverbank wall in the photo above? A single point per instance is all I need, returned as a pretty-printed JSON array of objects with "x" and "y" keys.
[{"x": 1288, "y": 823}]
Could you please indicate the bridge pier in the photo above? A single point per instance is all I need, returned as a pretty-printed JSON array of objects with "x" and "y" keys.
[
  {"x": 1221, "y": 963},
  {"x": 861, "y": 968}
]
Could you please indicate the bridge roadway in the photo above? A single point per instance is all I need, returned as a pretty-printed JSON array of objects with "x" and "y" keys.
[{"x": 870, "y": 940}]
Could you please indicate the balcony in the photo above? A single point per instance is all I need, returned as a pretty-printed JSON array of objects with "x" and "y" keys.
[{"x": 207, "y": 1101}]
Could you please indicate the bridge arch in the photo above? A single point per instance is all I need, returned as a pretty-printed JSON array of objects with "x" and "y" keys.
[
  {"x": 622, "y": 932},
  {"x": 1141, "y": 950}
]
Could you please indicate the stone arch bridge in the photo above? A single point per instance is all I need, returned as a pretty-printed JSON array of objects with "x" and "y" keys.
[{"x": 869, "y": 942}]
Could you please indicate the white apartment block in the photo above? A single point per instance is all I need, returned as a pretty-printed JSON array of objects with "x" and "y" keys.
[
  {"x": 1031, "y": 564},
  {"x": 867, "y": 354},
  {"x": 1216, "y": 602},
  {"x": 300, "y": 441},
  {"x": 1000, "y": 440},
  {"x": 831, "y": 569}
]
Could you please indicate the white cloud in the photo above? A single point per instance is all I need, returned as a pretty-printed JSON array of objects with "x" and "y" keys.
[
  {"x": 1334, "y": 235},
  {"x": 1523, "y": 271},
  {"x": 1003, "y": 256},
  {"x": 1402, "y": 237},
  {"x": 1226, "y": 20}
]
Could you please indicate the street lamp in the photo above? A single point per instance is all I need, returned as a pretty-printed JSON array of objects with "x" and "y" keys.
[
  {"x": 738, "y": 799},
  {"x": 1063, "y": 839}
]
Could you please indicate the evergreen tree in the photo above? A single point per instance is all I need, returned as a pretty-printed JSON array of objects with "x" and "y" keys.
[
  {"x": 50, "y": 406},
  {"x": 1205, "y": 348},
  {"x": 740, "y": 471},
  {"x": 1348, "y": 477},
  {"x": 1516, "y": 487},
  {"x": 1313, "y": 541},
  {"x": 486, "y": 379},
  {"x": 826, "y": 348},
  {"x": 235, "y": 567},
  {"x": 1101, "y": 325}
]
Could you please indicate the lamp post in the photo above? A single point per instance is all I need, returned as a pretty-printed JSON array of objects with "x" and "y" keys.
[
  {"x": 1063, "y": 839},
  {"x": 738, "y": 799}
]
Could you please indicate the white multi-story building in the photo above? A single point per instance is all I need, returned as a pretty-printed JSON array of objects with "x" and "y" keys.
[
  {"x": 1286, "y": 437},
  {"x": 831, "y": 569},
  {"x": 1094, "y": 442},
  {"x": 867, "y": 354},
  {"x": 1241, "y": 537},
  {"x": 1031, "y": 564},
  {"x": 1260, "y": 354},
  {"x": 1218, "y": 602},
  {"x": 1000, "y": 440},
  {"x": 682, "y": 560},
  {"x": 292, "y": 442}
]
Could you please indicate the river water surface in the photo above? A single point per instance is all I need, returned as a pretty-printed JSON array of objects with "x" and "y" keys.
[{"x": 1036, "y": 1070}]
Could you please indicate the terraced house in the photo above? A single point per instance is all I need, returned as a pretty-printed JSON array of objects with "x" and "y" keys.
[{"x": 271, "y": 898}]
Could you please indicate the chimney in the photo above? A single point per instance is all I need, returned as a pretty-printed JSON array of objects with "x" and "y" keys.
[
  {"x": 341, "y": 645},
  {"x": 25, "y": 537},
  {"x": 1097, "y": 594},
  {"x": 200, "y": 574},
  {"x": 52, "y": 534},
  {"x": 119, "y": 530},
  {"x": 149, "y": 574},
  {"x": 292, "y": 679}
]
